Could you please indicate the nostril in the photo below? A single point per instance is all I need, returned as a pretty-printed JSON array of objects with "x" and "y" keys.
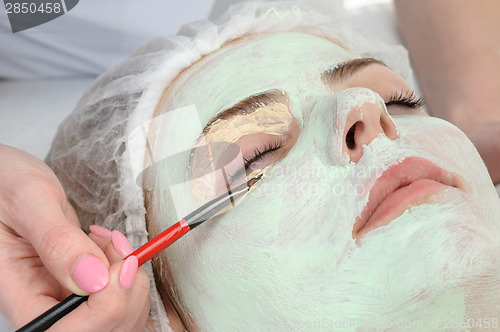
[{"x": 349, "y": 138}]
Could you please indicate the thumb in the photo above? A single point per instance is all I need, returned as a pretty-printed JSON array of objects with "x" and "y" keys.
[
  {"x": 33, "y": 204},
  {"x": 67, "y": 252}
]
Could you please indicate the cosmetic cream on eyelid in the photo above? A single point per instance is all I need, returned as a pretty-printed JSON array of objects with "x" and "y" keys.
[{"x": 272, "y": 119}]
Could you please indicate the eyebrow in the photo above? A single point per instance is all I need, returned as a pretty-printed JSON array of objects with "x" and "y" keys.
[
  {"x": 250, "y": 105},
  {"x": 342, "y": 71}
]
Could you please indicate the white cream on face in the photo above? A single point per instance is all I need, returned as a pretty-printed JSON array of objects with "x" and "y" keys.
[{"x": 285, "y": 256}]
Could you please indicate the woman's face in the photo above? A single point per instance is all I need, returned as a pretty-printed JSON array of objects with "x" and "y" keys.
[{"x": 370, "y": 210}]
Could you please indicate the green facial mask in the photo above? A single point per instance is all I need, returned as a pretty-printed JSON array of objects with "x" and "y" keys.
[{"x": 285, "y": 258}]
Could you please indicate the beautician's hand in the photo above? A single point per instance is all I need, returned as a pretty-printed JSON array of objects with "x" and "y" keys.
[
  {"x": 45, "y": 256},
  {"x": 128, "y": 288}
]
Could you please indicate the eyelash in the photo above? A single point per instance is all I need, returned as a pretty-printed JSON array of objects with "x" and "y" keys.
[
  {"x": 258, "y": 154},
  {"x": 407, "y": 99}
]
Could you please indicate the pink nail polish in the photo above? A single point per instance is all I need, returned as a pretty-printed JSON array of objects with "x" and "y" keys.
[
  {"x": 128, "y": 271},
  {"x": 90, "y": 274},
  {"x": 121, "y": 243},
  {"x": 100, "y": 231}
]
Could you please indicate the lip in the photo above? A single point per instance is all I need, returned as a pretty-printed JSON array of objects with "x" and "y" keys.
[{"x": 405, "y": 184}]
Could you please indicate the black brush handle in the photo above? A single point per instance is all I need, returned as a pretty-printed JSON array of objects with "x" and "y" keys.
[{"x": 51, "y": 316}]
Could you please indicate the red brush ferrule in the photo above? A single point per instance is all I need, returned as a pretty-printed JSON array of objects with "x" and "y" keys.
[{"x": 163, "y": 240}]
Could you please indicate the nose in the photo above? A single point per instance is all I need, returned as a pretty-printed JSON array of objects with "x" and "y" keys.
[{"x": 365, "y": 120}]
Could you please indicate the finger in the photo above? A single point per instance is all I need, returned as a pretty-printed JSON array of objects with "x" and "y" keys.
[
  {"x": 143, "y": 319},
  {"x": 139, "y": 304},
  {"x": 115, "y": 249},
  {"x": 26, "y": 286},
  {"x": 101, "y": 236},
  {"x": 121, "y": 246},
  {"x": 119, "y": 306},
  {"x": 71, "y": 256},
  {"x": 114, "y": 244},
  {"x": 33, "y": 204}
]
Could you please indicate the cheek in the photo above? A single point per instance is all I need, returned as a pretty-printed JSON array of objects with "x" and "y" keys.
[
  {"x": 300, "y": 203},
  {"x": 449, "y": 148},
  {"x": 445, "y": 143}
]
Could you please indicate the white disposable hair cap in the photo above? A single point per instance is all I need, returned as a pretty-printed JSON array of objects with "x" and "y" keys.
[{"x": 94, "y": 152}]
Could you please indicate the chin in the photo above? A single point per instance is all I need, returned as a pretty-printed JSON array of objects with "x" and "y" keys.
[{"x": 436, "y": 261}]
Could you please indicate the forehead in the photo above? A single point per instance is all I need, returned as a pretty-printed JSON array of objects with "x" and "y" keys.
[{"x": 292, "y": 62}]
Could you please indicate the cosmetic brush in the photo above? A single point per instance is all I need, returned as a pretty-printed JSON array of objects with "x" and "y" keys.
[{"x": 150, "y": 249}]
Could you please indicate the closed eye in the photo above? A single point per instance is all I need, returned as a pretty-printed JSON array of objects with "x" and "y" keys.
[
  {"x": 258, "y": 154},
  {"x": 261, "y": 157},
  {"x": 407, "y": 99}
]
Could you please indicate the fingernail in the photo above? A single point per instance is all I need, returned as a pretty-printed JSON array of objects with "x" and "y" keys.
[
  {"x": 121, "y": 243},
  {"x": 100, "y": 231},
  {"x": 128, "y": 271},
  {"x": 90, "y": 274}
]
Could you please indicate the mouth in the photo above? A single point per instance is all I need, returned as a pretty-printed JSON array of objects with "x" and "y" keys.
[{"x": 409, "y": 183}]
